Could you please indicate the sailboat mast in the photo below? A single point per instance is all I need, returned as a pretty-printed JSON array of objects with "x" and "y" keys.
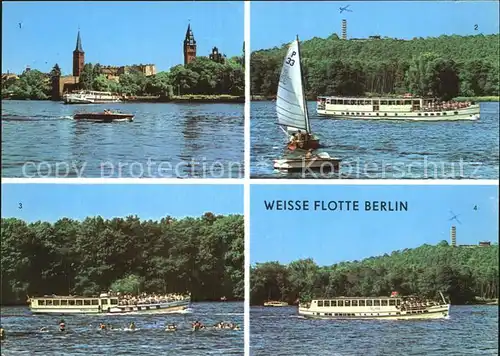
[{"x": 308, "y": 125}]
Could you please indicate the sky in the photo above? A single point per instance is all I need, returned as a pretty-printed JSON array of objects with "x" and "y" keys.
[
  {"x": 276, "y": 23},
  {"x": 330, "y": 237},
  {"x": 51, "y": 202},
  {"x": 115, "y": 33}
]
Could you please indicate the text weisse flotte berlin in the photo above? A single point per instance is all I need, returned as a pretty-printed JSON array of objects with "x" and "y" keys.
[{"x": 336, "y": 205}]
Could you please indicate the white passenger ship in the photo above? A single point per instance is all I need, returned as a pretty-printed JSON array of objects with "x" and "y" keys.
[
  {"x": 103, "y": 304},
  {"x": 405, "y": 108},
  {"x": 386, "y": 308},
  {"x": 90, "y": 97}
]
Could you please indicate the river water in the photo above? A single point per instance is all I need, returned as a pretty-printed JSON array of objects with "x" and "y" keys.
[
  {"x": 83, "y": 337},
  {"x": 40, "y": 139},
  {"x": 470, "y": 330},
  {"x": 374, "y": 149}
]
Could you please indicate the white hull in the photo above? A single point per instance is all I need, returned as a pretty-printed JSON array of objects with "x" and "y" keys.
[
  {"x": 89, "y": 101},
  {"x": 322, "y": 162},
  {"x": 160, "y": 308},
  {"x": 435, "y": 312},
  {"x": 468, "y": 114}
]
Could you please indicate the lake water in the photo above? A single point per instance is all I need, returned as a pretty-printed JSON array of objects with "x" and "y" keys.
[
  {"x": 372, "y": 149},
  {"x": 470, "y": 330},
  {"x": 40, "y": 139},
  {"x": 83, "y": 337}
]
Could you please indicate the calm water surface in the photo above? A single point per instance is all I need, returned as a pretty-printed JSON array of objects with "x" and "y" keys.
[
  {"x": 374, "y": 149},
  {"x": 84, "y": 338},
  {"x": 164, "y": 140},
  {"x": 470, "y": 330}
]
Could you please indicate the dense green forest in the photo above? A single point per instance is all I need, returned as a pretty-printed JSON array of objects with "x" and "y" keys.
[
  {"x": 462, "y": 273},
  {"x": 202, "y": 255},
  {"x": 444, "y": 67},
  {"x": 202, "y": 76}
]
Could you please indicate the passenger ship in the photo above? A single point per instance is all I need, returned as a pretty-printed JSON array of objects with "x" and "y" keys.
[
  {"x": 404, "y": 108},
  {"x": 103, "y": 304},
  {"x": 90, "y": 97},
  {"x": 386, "y": 308}
]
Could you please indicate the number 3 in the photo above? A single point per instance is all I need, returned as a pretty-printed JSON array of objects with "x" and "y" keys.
[{"x": 291, "y": 61}]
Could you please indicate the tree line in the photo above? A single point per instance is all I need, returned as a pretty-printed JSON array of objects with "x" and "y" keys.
[
  {"x": 201, "y": 76},
  {"x": 462, "y": 273},
  {"x": 443, "y": 67},
  {"x": 204, "y": 256}
]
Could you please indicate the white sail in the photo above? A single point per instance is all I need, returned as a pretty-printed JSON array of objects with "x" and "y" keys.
[{"x": 290, "y": 104}]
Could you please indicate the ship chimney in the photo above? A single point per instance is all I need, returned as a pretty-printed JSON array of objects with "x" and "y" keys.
[
  {"x": 344, "y": 29},
  {"x": 453, "y": 235}
]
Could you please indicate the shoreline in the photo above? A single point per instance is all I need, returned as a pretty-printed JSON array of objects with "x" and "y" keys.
[
  {"x": 480, "y": 99},
  {"x": 198, "y": 98}
]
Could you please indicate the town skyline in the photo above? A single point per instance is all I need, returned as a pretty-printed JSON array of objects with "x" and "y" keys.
[{"x": 161, "y": 46}]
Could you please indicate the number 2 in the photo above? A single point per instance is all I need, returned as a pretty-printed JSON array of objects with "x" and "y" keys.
[{"x": 476, "y": 27}]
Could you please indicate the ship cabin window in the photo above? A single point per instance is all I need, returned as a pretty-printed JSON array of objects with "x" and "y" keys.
[
  {"x": 71, "y": 302},
  {"x": 326, "y": 303},
  {"x": 320, "y": 303},
  {"x": 369, "y": 303},
  {"x": 49, "y": 302},
  {"x": 376, "y": 102},
  {"x": 86, "y": 302},
  {"x": 383, "y": 102},
  {"x": 95, "y": 302},
  {"x": 392, "y": 302},
  {"x": 376, "y": 303},
  {"x": 79, "y": 302},
  {"x": 64, "y": 302},
  {"x": 368, "y": 102},
  {"x": 444, "y": 113},
  {"x": 384, "y": 302},
  {"x": 104, "y": 302},
  {"x": 354, "y": 303},
  {"x": 391, "y": 102},
  {"x": 398, "y": 302},
  {"x": 407, "y": 102},
  {"x": 340, "y": 303},
  {"x": 333, "y": 303},
  {"x": 352, "y": 102},
  {"x": 362, "y": 303},
  {"x": 347, "y": 303},
  {"x": 56, "y": 302},
  {"x": 41, "y": 302},
  {"x": 114, "y": 301},
  {"x": 455, "y": 112}
]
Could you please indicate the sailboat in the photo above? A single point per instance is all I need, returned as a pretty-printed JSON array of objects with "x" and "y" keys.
[
  {"x": 291, "y": 109},
  {"x": 291, "y": 105}
]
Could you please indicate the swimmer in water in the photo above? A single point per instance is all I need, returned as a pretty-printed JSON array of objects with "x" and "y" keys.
[
  {"x": 132, "y": 326},
  {"x": 62, "y": 325},
  {"x": 2, "y": 333},
  {"x": 102, "y": 326}
]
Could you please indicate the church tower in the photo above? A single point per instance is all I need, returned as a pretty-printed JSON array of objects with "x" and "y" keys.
[
  {"x": 189, "y": 46},
  {"x": 78, "y": 57}
]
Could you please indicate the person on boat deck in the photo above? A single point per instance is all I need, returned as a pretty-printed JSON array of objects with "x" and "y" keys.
[
  {"x": 107, "y": 111},
  {"x": 309, "y": 153},
  {"x": 62, "y": 325}
]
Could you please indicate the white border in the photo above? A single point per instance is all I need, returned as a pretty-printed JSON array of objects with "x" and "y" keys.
[
  {"x": 373, "y": 182},
  {"x": 172, "y": 181},
  {"x": 246, "y": 180}
]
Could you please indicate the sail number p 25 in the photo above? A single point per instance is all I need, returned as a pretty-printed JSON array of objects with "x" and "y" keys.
[{"x": 291, "y": 61}]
